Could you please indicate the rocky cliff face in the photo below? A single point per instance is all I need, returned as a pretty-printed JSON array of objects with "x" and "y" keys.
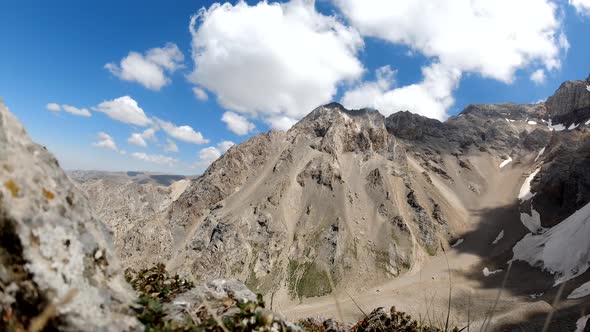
[{"x": 55, "y": 257}]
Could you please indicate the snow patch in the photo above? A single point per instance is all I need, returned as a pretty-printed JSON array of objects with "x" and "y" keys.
[
  {"x": 573, "y": 126},
  {"x": 532, "y": 122},
  {"x": 581, "y": 323},
  {"x": 540, "y": 154},
  {"x": 525, "y": 191},
  {"x": 532, "y": 222},
  {"x": 580, "y": 292},
  {"x": 509, "y": 120},
  {"x": 487, "y": 272},
  {"x": 457, "y": 243},
  {"x": 557, "y": 127},
  {"x": 499, "y": 237},
  {"x": 506, "y": 162},
  {"x": 588, "y": 87},
  {"x": 587, "y": 123},
  {"x": 535, "y": 296},
  {"x": 564, "y": 250}
]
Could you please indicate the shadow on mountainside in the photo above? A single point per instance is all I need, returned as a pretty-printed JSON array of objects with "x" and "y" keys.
[{"x": 531, "y": 283}]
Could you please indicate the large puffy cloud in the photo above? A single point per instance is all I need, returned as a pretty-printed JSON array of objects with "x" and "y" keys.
[
  {"x": 274, "y": 59},
  {"x": 182, "y": 133},
  {"x": 149, "y": 69},
  {"x": 237, "y": 123},
  {"x": 582, "y": 6},
  {"x": 490, "y": 38},
  {"x": 432, "y": 97},
  {"x": 124, "y": 109}
]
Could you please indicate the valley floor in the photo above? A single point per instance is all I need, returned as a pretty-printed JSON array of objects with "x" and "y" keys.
[{"x": 525, "y": 298}]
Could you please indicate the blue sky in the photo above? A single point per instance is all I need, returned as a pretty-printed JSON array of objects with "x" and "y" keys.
[{"x": 257, "y": 76}]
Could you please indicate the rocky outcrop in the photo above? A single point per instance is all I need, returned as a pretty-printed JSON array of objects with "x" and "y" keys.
[
  {"x": 570, "y": 97},
  {"x": 57, "y": 268},
  {"x": 562, "y": 185}
]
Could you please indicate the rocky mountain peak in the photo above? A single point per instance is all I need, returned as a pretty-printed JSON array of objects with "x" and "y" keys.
[
  {"x": 571, "y": 96},
  {"x": 340, "y": 130}
]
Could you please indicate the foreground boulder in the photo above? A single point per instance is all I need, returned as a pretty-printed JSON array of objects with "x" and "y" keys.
[
  {"x": 170, "y": 303},
  {"x": 57, "y": 267}
]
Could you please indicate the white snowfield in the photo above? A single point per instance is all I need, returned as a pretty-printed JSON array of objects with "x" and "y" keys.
[
  {"x": 532, "y": 122},
  {"x": 525, "y": 191},
  {"x": 588, "y": 87},
  {"x": 457, "y": 243},
  {"x": 564, "y": 250},
  {"x": 573, "y": 126},
  {"x": 506, "y": 162},
  {"x": 580, "y": 292},
  {"x": 587, "y": 122}
]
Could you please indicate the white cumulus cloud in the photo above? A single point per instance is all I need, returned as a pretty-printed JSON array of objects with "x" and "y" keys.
[
  {"x": 136, "y": 139},
  {"x": 200, "y": 94},
  {"x": 106, "y": 141},
  {"x": 431, "y": 97},
  {"x": 209, "y": 154},
  {"x": 76, "y": 111},
  {"x": 237, "y": 123},
  {"x": 139, "y": 139},
  {"x": 272, "y": 59},
  {"x": 149, "y": 69},
  {"x": 170, "y": 146},
  {"x": 491, "y": 38},
  {"x": 53, "y": 107},
  {"x": 582, "y": 6},
  {"x": 182, "y": 133},
  {"x": 124, "y": 109},
  {"x": 155, "y": 158},
  {"x": 67, "y": 108},
  {"x": 538, "y": 76},
  {"x": 225, "y": 145}
]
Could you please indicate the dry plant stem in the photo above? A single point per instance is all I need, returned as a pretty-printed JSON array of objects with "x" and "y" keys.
[
  {"x": 340, "y": 315},
  {"x": 215, "y": 317},
  {"x": 357, "y": 305},
  {"x": 490, "y": 313},
  {"x": 450, "y": 287},
  {"x": 40, "y": 322},
  {"x": 553, "y": 305},
  {"x": 469, "y": 312}
]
